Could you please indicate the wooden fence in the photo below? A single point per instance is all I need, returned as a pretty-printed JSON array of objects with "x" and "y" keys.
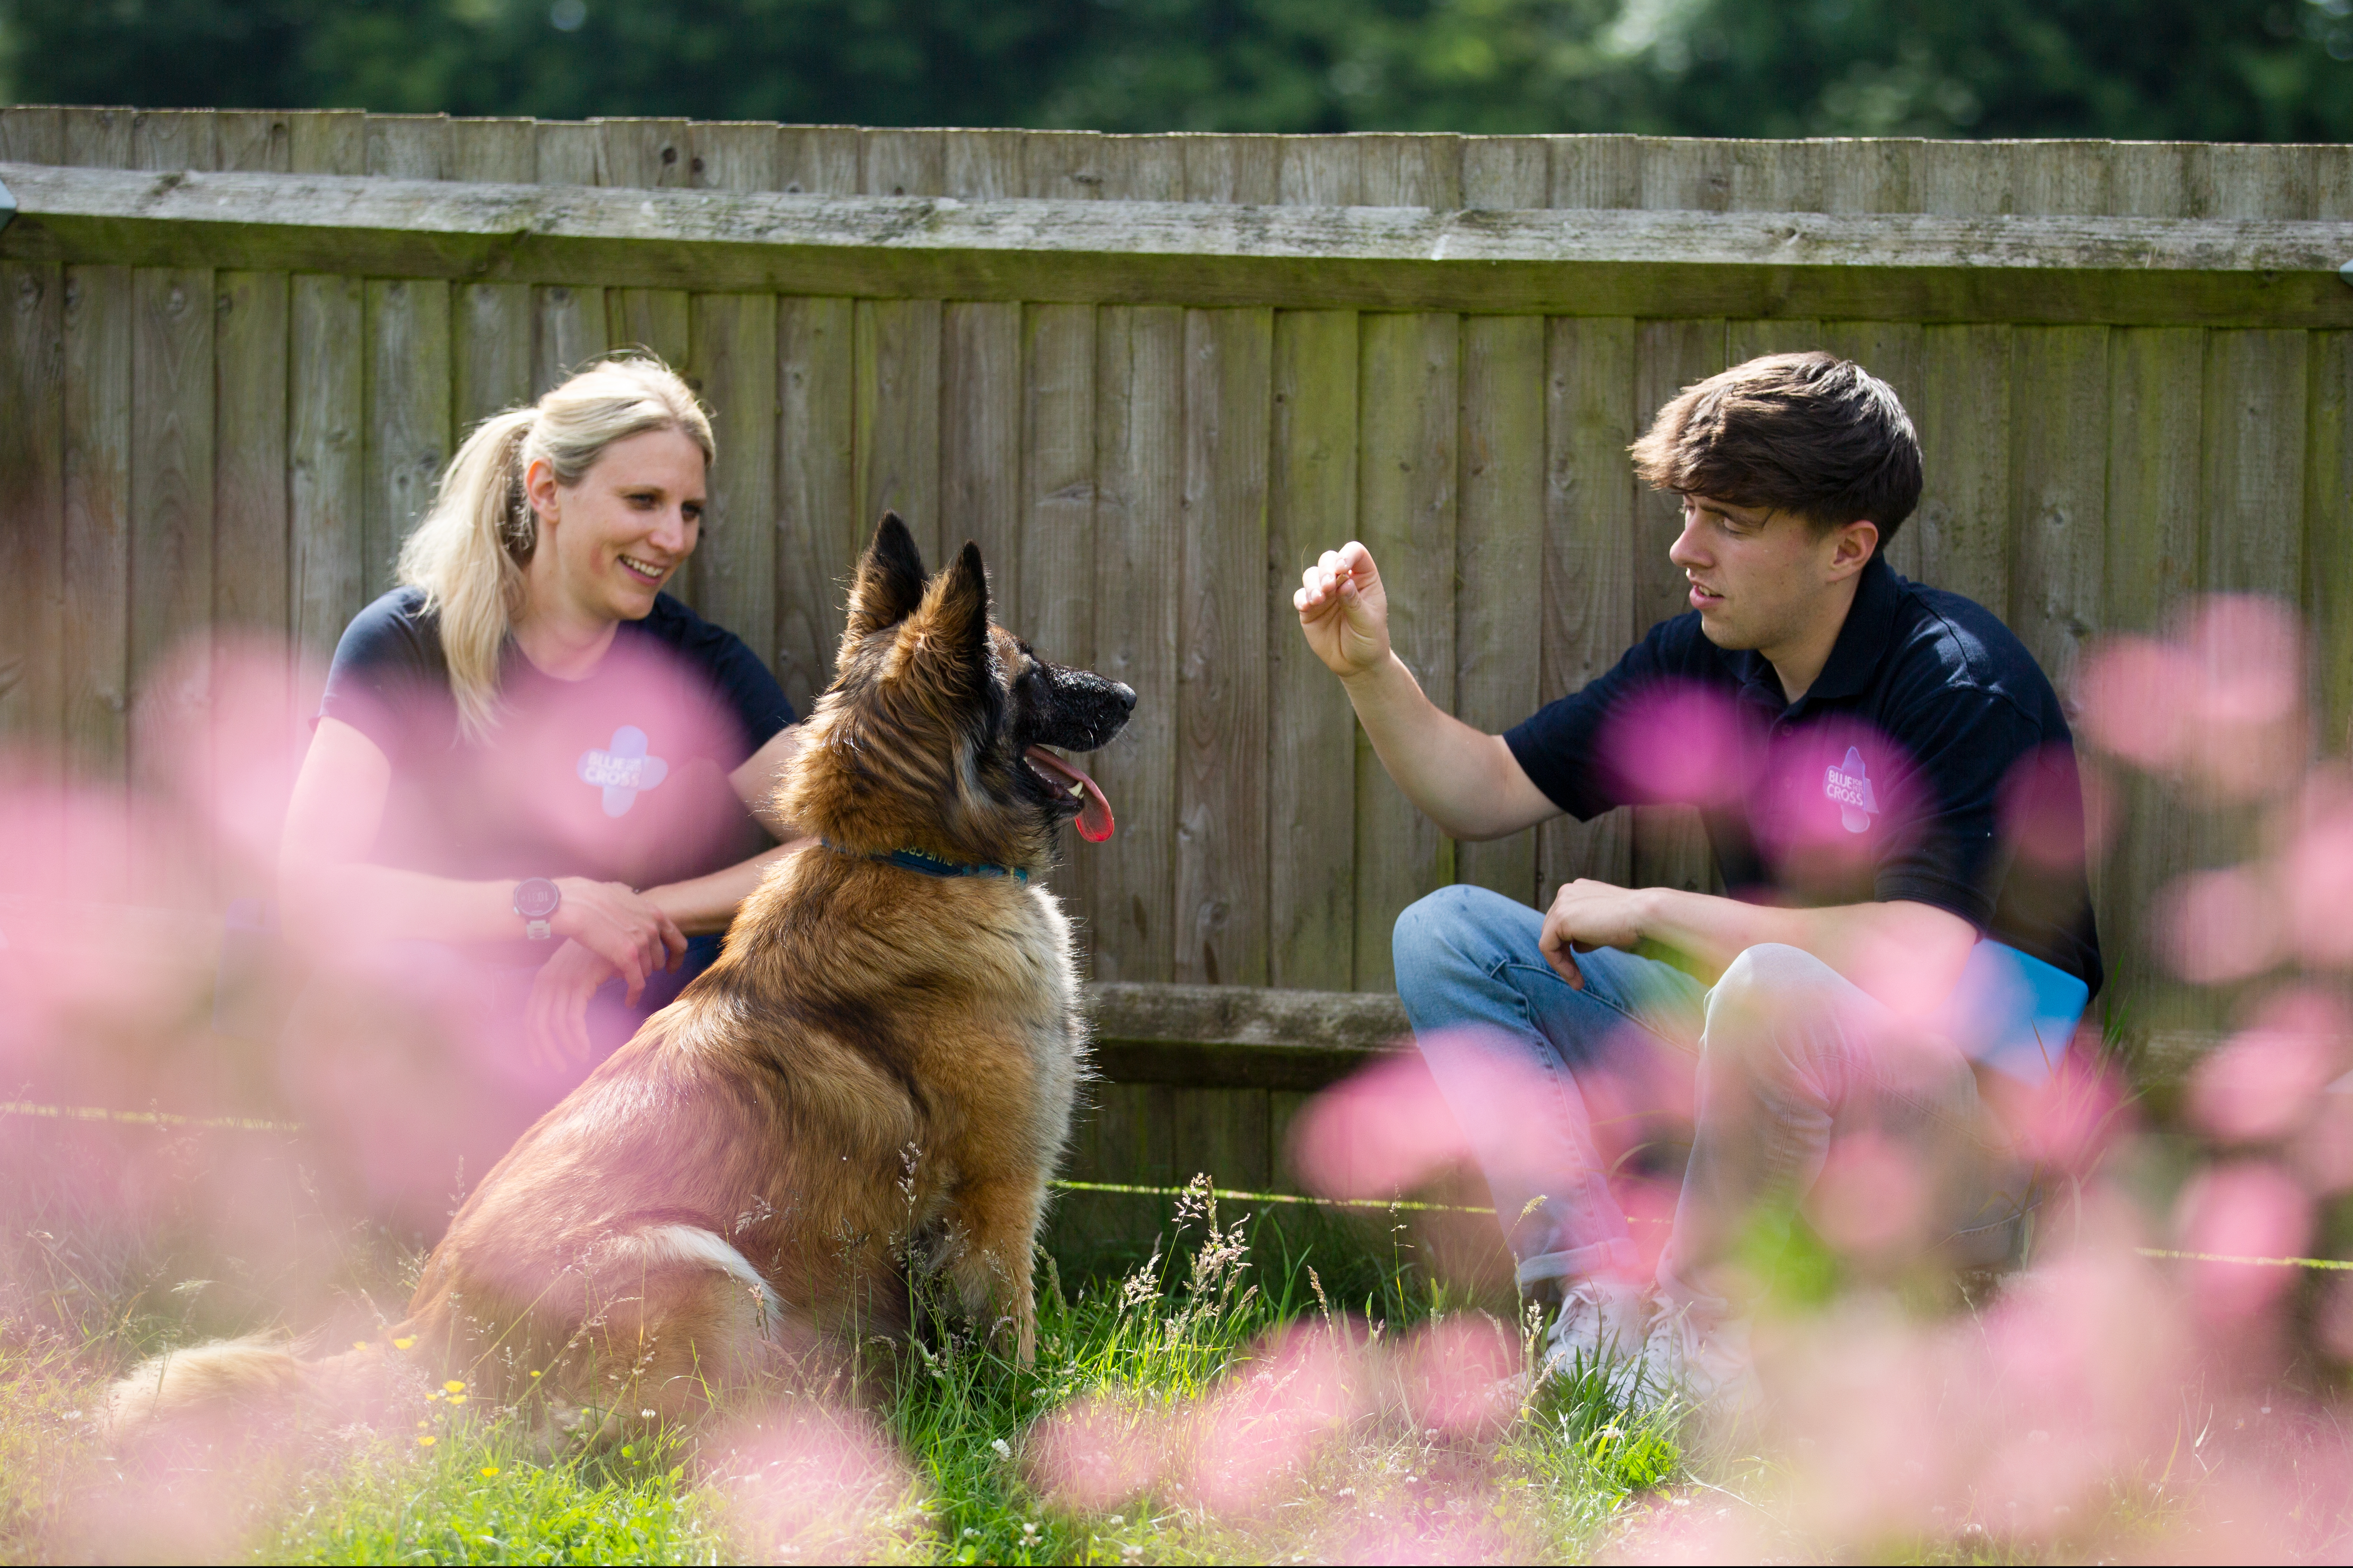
[{"x": 1153, "y": 377}]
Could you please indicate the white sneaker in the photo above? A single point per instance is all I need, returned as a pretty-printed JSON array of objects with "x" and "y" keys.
[
  {"x": 1600, "y": 1328},
  {"x": 1702, "y": 1367}
]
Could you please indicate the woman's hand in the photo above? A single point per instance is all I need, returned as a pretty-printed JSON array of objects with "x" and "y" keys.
[
  {"x": 619, "y": 926},
  {"x": 555, "y": 1019}
]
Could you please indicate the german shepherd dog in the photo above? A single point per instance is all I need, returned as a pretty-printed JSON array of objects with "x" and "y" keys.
[{"x": 877, "y": 1076}]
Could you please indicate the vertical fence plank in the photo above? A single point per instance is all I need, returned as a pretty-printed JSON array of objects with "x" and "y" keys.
[
  {"x": 1746, "y": 341},
  {"x": 818, "y": 160},
  {"x": 1597, "y": 171},
  {"x": 1222, "y": 1133},
  {"x": 2327, "y": 531},
  {"x": 170, "y": 139},
  {"x": 898, "y": 416},
  {"x": 1499, "y": 587},
  {"x": 98, "y": 446},
  {"x": 249, "y": 523},
  {"x": 326, "y": 142},
  {"x": 171, "y": 504},
  {"x": 1319, "y": 172},
  {"x": 643, "y": 154},
  {"x": 820, "y": 529},
  {"x": 1589, "y": 559},
  {"x": 1408, "y": 394},
  {"x": 569, "y": 152},
  {"x": 408, "y": 146},
  {"x": 2155, "y": 383},
  {"x": 1503, "y": 172},
  {"x": 1139, "y": 527},
  {"x": 253, "y": 140},
  {"x": 982, "y": 165},
  {"x": 1246, "y": 170},
  {"x": 733, "y": 156},
  {"x": 659, "y": 322},
  {"x": 901, "y": 163},
  {"x": 97, "y": 138},
  {"x": 406, "y": 425},
  {"x": 1311, "y": 768},
  {"x": 33, "y": 133},
  {"x": 1066, "y": 166},
  {"x": 734, "y": 350},
  {"x": 1965, "y": 178},
  {"x": 33, "y": 507},
  {"x": 1671, "y": 848},
  {"x": 1781, "y": 177},
  {"x": 1056, "y": 560},
  {"x": 494, "y": 151},
  {"x": 326, "y": 470},
  {"x": 980, "y": 444},
  {"x": 493, "y": 350},
  {"x": 1963, "y": 420},
  {"x": 569, "y": 329},
  {"x": 2059, "y": 495},
  {"x": 2257, "y": 411},
  {"x": 1420, "y": 170},
  {"x": 1686, "y": 174},
  {"x": 1221, "y": 633}
]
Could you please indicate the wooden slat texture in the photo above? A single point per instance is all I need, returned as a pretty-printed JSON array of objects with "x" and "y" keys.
[
  {"x": 33, "y": 133},
  {"x": 982, "y": 165},
  {"x": 33, "y": 513},
  {"x": 902, "y": 162},
  {"x": 500, "y": 151},
  {"x": 248, "y": 564},
  {"x": 1311, "y": 766},
  {"x": 1222, "y": 1133},
  {"x": 492, "y": 350},
  {"x": 2329, "y": 534},
  {"x": 1140, "y": 521},
  {"x": 170, "y": 529},
  {"x": 1419, "y": 171},
  {"x": 571, "y": 153},
  {"x": 1127, "y": 1134},
  {"x": 1065, "y": 165},
  {"x": 980, "y": 445},
  {"x": 1321, "y": 172},
  {"x": 97, "y": 138},
  {"x": 1589, "y": 560},
  {"x": 406, "y": 427},
  {"x": 1597, "y": 171},
  {"x": 817, "y": 160},
  {"x": 1055, "y": 563},
  {"x": 569, "y": 333},
  {"x": 327, "y": 142},
  {"x": 733, "y": 156},
  {"x": 819, "y": 530},
  {"x": 408, "y": 146},
  {"x": 650, "y": 320},
  {"x": 1961, "y": 531},
  {"x": 1782, "y": 177},
  {"x": 326, "y": 483},
  {"x": 173, "y": 139},
  {"x": 1221, "y": 633},
  {"x": 2058, "y": 476},
  {"x": 645, "y": 155},
  {"x": 1499, "y": 581},
  {"x": 1408, "y": 398},
  {"x": 1670, "y": 847},
  {"x": 1686, "y": 174},
  {"x": 253, "y": 140},
  {"x": 1245, "y": 170},
  {"x": 2155, "y": 393},
  {"x": 734, "y": 569},
  {"x": 1507, "y": 172},
  {"x": 897, "y": 405},
  {"x": 2257, "y": 390},
  {"x": 99, "y": 318}
]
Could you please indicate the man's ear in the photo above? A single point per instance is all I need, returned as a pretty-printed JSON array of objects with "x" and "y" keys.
[
  {"x": 1855, "y": 544},
  {"x": 889, "y": 581}
]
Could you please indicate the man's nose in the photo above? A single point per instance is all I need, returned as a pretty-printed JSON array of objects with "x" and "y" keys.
[{"x": 1685, "y": 551}]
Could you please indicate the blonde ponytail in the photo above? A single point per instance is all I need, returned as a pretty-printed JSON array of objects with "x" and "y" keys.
[{"x": 469, "y": 552}]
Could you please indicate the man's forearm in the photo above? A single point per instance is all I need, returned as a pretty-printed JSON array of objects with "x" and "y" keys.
[
  {"x": 1898, "y": 950},
  {"x": 1457, "y": 776}
]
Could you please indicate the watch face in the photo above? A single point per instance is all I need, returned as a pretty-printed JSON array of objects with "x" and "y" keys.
[{"x": 536, "y": 899}]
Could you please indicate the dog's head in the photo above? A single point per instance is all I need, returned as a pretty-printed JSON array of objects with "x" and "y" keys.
[{"x": 936, "y": 731}]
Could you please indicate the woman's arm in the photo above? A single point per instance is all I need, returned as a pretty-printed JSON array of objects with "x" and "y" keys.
[
  {"x": 755, "y": 782},
  {"x": 326, "y": 887},
  {"x": 709, "y": 903}
]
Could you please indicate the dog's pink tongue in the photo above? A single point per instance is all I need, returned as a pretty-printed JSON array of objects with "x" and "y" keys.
[{"x": 1094, "y": 816}]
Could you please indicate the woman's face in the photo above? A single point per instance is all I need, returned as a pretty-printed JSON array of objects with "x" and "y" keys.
[{"x": 612, "y": 541}]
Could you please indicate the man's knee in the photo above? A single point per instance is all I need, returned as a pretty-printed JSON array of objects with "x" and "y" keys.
[
  {"x": 1770, "y": 983},
  {"x": 1450, "y": 933}
]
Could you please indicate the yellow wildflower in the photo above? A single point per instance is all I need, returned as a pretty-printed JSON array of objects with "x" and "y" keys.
[
  {"x": 359, "y": 1344},
  {"x": 426, "y": 1441},
  {"x": 403, "y": 1344},
  {"x": 489, "y": 1469},
  {"x": 453, "y": 1386}
]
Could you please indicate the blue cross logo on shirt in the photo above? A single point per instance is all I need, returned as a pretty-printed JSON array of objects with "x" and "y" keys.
[
  {"x": 622, "y": 770},
  {"x": 1850, "y": 786}
]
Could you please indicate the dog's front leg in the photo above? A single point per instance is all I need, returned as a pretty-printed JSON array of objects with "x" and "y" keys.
[{"x": 992, "y": 1271}]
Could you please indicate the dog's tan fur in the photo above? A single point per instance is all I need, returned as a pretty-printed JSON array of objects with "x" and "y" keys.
[{"x": 879, "y": 1072}]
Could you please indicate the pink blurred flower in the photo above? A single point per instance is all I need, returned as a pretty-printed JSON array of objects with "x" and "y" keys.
[
  {"x": 2220, "y": 926},
  {"x": 2218, "y": 701},
  {"x": 1387, "y": 1129},
  {"x": 2315, "y": 874},
  {"x": 1676, "y": 743},
  {"x": 2264, "y": 1082},
  {"x": 1271, "y": 1417},
  {"x": 2241, "y": 1209},
  {"x": 1871, "y": 1197},
  {"x": 813, "y": 1483}
]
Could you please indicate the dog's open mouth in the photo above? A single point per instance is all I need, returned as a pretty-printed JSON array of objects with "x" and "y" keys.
[{"x": 1094, "y": 808}]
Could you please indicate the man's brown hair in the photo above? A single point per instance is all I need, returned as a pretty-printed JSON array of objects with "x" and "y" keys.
[{"x": 1808, "y": 433}]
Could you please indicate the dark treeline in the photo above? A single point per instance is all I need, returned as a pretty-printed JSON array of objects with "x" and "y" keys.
[{"x": 2213, "y": 70}]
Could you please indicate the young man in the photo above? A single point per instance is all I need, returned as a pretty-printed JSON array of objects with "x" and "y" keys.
[{"x": 1890, "y": 790}]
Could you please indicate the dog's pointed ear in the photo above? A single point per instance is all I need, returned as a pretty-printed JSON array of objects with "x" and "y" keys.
[
  {"x": 961, "y": 619},
  {"x": 890, "y": 583}
]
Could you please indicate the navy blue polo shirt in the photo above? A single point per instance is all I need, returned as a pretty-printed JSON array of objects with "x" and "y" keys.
[{"x": 1928, "y": 761}]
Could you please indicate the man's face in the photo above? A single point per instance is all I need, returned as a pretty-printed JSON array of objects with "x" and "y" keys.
[{"x": 1760, "y": 579}]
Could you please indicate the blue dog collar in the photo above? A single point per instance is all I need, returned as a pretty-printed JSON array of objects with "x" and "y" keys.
[{"x": 932, "y": 864}]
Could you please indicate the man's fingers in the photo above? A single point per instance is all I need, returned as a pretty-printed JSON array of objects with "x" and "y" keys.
[{"x": 1566, "y": 967}]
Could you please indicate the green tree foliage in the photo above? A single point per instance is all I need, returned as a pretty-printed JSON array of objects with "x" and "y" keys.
[{"x": 2216, "y": 69}]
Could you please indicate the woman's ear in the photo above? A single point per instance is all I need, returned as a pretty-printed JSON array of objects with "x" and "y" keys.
[{"x": 538, "y": 488}]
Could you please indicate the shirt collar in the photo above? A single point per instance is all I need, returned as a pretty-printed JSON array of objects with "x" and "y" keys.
[{"x": 1862, "y": 642}]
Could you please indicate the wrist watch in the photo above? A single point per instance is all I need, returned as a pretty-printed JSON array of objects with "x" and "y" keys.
[{"x": 535, "y": 899}]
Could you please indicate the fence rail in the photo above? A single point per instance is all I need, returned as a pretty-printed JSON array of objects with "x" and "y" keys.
[{"x": 1152, "y": 376}]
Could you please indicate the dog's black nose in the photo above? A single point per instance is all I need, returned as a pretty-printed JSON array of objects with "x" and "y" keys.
[{"x": 1127, "y": 695}]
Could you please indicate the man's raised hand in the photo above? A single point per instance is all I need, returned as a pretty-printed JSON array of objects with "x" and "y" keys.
[{"x": 1344, "y": 611}]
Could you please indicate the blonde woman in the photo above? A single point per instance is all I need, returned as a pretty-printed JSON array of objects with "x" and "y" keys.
[{"x": 538, "y": 785}]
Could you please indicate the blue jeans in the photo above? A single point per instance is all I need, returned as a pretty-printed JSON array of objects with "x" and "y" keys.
[{"x": 1788, "y": 1058}]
